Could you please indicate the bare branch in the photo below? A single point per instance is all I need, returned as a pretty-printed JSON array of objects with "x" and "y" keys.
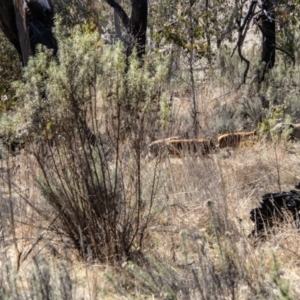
[
  {"x": 244, "y": 28},
  {"x": 120, "y": 11},
  {"x": 241, "y": 37},
  {"x": 287, "y": 53}
]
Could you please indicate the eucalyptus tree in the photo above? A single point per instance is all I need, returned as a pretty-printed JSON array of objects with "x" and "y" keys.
[
  {"x": 135, "y": 25},
  {"x": 263, "y": 15},
  {"x": 27, "y": 23}
]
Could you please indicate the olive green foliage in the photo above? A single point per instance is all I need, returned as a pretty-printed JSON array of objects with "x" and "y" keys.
[
  {"x": 192, "y": 26},
  {"x": 229, "y": 69},
  {"x": 178, "y": 29},
  {"x": 47, "y": 86},
  {"x": 276, "y": 114},
  {"x": 103, "y": 214},
  {"x": 283, "y": 285},
  {"x": 81, "y": 12},
  {"x": 10, "y": 70},
  {"x": 221, "y": 17},
  {"x": 287, "y": 30},
  {"x": 226, "y": 119},
  {"x": 282, "y": 87},
  {"x": 287, "y": 15},
  {"x": 274, "y": 100},
  {"x": 134, "y": 89}
]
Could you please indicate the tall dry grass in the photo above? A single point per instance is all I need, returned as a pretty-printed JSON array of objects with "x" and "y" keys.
[{"x": 198, "y": 244}]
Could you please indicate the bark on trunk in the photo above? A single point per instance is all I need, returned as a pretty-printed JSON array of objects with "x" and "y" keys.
[
  {"x": 269, "y": 36},
  {"x": 22, "y": 30},
  {"x": 117, "y": 25},
  {"x": 136, "y": 25},
  {"x": 8, "y": 24},
  {"x": 27, "y": 27}
]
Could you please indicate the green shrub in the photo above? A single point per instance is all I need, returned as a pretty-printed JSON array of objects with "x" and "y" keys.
[
  {"x": 90, "y": 102},
  {"x": 10, "y": 70}
]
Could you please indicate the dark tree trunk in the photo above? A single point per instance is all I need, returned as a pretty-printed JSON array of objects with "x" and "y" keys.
[
  {"x": 27, "y": 24},
  {"x": 136, "y": 25},
  {"x": 268, "y": 31},
  {"x": 8, "y": 23}
]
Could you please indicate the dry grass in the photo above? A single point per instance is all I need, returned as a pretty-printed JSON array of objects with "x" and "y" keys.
[
  {"x": 231, "y": 187},
  {"x": 201, "y": 217},
  {"x": 197, "y": 243}
]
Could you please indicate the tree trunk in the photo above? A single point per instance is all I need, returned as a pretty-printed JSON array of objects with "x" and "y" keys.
[
  {"x": 117, "y": 25},
  {"x": 8, "y": 24},
  {"x": 27, "y": 27},
  {"x": 268, "y": 31},
  {"x": 136, "y": 25},
  {"x": 22, "y": 30}
]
